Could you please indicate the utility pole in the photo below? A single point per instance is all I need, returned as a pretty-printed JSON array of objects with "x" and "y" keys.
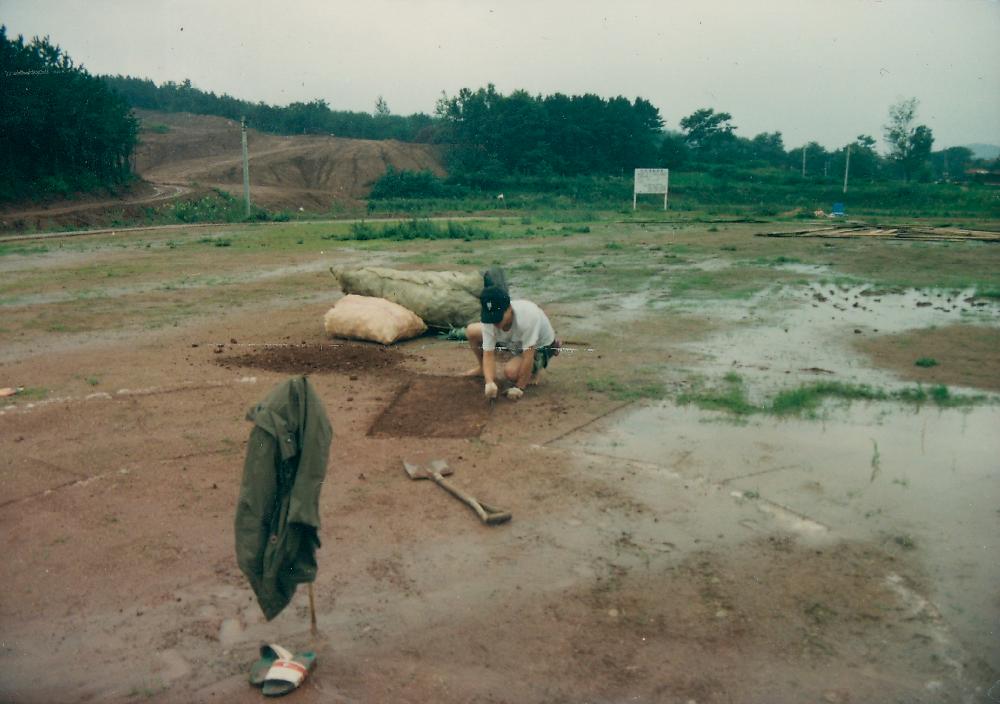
[
  {"x": 803, "y": 161},
  {"x": 246, "y": 166},
  {"x": 847, "y": 167}
]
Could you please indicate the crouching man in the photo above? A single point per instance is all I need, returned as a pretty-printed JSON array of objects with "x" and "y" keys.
[{"x": 520, "y": 326}]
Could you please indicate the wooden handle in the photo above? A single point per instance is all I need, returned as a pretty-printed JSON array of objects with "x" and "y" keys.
[
  {"x": 312, "y": 612},
  {"x": 460, "y": 495}
]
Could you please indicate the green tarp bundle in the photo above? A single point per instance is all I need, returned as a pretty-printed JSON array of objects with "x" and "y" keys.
[
  {"x": 442, "y": 299},
  {"x": 277, "y": 517}
]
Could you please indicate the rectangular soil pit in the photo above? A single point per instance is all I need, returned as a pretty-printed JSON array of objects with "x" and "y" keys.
[{"x": 435, "y": 407}]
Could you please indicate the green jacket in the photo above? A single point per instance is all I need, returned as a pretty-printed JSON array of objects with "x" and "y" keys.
[{"x": 277, "y": 517}]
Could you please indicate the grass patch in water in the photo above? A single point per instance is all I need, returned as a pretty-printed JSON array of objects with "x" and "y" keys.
[
  {"x": 627, "y": 390},
  {"x": 730, "y": 398},
  {"x": 805, "y": 401}
]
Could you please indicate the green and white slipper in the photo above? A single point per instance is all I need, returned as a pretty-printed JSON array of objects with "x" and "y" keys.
[
  {"x": 287, "y": 674},
  {"x": 269, "y": 652}
]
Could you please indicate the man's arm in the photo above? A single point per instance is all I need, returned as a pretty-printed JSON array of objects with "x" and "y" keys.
[
  {"x": 489, "y": 370},
  {"x": 489, "y": 365}
]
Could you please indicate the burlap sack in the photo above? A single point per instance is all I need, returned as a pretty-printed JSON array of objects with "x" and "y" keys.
[
  {"x": 373, "y": 319},
  {"x": 443, "y": 299}
]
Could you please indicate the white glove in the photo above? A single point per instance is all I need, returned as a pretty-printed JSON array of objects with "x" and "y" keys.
[
  {"x": 514, "y": 393},
  {"x": 491, "y": 390}
]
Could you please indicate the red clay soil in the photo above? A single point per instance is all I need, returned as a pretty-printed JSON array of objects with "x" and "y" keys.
[
  {"x": 348, "y": 357},
  {"x": 614, "y": 581},
  {"x": 435, "y": 407},
  {"x": 307, "y": 171}
]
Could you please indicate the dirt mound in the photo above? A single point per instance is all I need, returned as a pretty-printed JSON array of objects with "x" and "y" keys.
[
  {"x": 306, "y": 171},
  {"x": 310, "y": 359}
]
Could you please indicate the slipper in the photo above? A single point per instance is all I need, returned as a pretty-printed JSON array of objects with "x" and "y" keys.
[
  {"x": 268, "y": 654},
  {"x": 288, "y": 674}
]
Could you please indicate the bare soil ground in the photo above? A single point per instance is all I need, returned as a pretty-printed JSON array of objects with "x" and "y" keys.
[
  {"x": 963, "y": 355},
  {"x": 185, "y": 155},
  {"x": 622, "y": 577},
  {"x": 310, "y": 172}
]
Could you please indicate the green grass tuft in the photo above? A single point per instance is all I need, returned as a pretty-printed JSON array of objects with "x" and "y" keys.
[{"x": 630, "y": 390}]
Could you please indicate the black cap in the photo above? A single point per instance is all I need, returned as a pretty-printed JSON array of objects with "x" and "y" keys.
[{"x": 495, "y": 302}]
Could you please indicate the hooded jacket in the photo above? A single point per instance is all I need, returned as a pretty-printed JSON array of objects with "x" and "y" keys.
[{"x": 277, "y": 517}]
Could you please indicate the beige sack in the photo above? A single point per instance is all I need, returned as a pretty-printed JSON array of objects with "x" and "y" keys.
[
  {"x": 374, "y": 319},
  {"x": 442, "y": 299}
]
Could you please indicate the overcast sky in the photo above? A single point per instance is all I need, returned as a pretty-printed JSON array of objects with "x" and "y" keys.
[{"x": 826, "y": 70}]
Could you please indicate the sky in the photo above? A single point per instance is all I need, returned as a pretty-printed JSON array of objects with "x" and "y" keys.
[{"x": 823, "y": 70}]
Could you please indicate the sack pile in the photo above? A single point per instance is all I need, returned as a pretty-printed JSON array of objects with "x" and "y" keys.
[
  {"x": 373, "y": 319},
  {"x": 442, "y": 299}
]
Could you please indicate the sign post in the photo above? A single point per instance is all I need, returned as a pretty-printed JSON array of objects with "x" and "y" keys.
[{"x": 651, "y": 181}]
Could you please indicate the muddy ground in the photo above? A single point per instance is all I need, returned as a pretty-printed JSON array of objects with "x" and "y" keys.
[{"x": 658, "y": 552}]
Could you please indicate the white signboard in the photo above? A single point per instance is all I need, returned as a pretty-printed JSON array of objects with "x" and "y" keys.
[{"x": 651, "y": 181}]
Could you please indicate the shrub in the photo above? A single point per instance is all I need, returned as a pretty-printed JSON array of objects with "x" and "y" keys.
[{"x": 407, "y": 184}]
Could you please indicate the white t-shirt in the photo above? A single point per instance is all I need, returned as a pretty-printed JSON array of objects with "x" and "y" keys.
[{"x": 531, "y": 328}]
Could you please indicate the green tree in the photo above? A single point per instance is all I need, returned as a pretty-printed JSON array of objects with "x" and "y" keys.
[
  {"x": 950, "y": 164},
  {"x": 768, "y": 148},
  {"x": 817, "y": 161},
  {"x": 674, "y": 152},
  {"x": 909, "y": 144},
  {"x": 61, "y": 129},
  {"x": 709, "y": 135}
]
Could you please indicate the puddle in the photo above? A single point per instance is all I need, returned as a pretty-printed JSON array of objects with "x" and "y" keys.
[
  {"x": 924, "y": 482},
  {"x": 812, "y": 329}
]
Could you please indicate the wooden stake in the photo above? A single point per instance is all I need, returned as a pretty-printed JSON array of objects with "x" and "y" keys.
[{"x": 312, "y": 612}]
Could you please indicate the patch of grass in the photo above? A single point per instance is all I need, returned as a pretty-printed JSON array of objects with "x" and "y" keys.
[
  {"x": 93, "y": 380},
  {"x": 217, "y": 241},
  {"x": 731, "y": 398},
  {"x": 32, "y": 393},
  {"x": 419, "y": 229},
  {"x": 22, "y": 249},
  {"x": 905, "y": 542},
  {"x": 453, "y": 334},
  {"x": 805, "y": 401},
  {"x": 627, "y": 390},
  {"x": 926, "y": 362}
]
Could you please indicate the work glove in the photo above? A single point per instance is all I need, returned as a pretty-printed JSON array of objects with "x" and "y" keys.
[
  {"x": 491, "y": 390},
  {"x": 514, "y": 393}
]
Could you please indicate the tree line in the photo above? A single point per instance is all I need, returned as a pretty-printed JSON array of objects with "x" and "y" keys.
[
  {"x": 314, "y": 117},
  {"x": 491, "y": 136},
  {"x": 708, "y": 140},
  {"x": 61, "y": 129}
]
